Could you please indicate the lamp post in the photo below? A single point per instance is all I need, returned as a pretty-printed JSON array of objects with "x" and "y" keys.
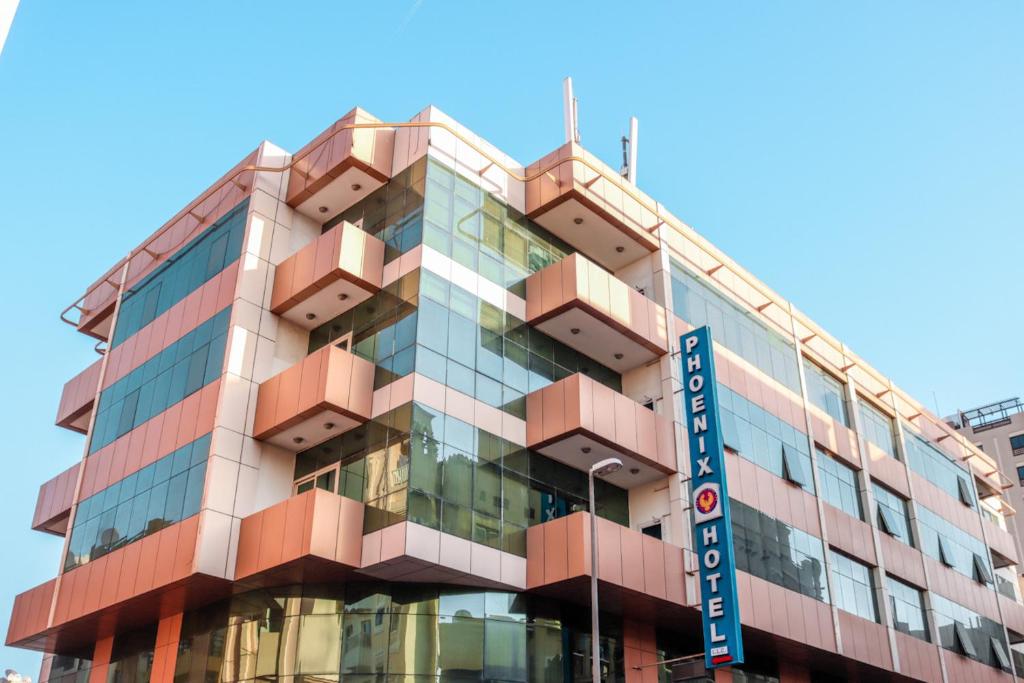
[{"x": 599, "y": 469}]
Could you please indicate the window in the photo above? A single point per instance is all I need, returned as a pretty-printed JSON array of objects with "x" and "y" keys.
[
  {"x": 652, "y": 530},
  {"x": 981, "y": 571},
  {"x": 853, "y": 586},
  {"x": 432, "y": 469},
  {"x": 736, "y": 328},
  {"x": 877, "y": 427},
  {"x": 839, "y": 485},
  {"x": 183, "y": 273},
  {"x": 907, "y": 605},
  {"x": 160, "y": 494},
  {"x": 826, "y": 392},
  {"x": 178, "y": 371},
  {"x": 1020, "y": 475},
  {"x": 892, "y": 514},
  {"x": 764, "y": 439},
  {"x": 777, "y": 552},
  {"x": 931, "y": 463},
  {"x": 968, "y": 633},
  {"x": 1017, "y": 444},
  {"x": 951, "y": 545}
]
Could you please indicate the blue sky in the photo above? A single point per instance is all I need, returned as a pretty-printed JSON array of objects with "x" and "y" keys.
[{"x": 864, "y": 159}]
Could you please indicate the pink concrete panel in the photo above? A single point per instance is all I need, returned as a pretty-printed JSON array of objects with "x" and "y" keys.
[
  {"x": 654, "y": 567},
  {"x": 902, "y": 560},
  {"x": 918, "y": 658},
  {"x": 556, "y": 564},
  {"x": 328, "y": 379},
  {"x": 578, "y": 547},
  {"x": 865, "y": 640},
  {"x": 77, "y": 398},
  {"x": 611, "y": 551}
]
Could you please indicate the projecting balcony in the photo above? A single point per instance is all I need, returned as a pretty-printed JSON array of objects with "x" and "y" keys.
[
  {"x": 341, "y": 166},
  {"x": 584, "y": 307},
  {"x": 53, "y": 505},
  {"x": 585, "y": 203},
  {"x": 76, "y": 400},
  {"x": 341, "y": 268},
  {"x": 636, "y": 572},
  {"x": 578, "y": 422},
  {"x": 325, "y": 394},
  {"x": 315, "y": 533}
]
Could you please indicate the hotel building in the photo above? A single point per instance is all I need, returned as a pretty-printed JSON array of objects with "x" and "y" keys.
[{"x": 344, "y": 410}]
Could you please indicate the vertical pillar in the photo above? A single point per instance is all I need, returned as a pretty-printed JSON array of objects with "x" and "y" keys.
[
  {"x": 165, "y": 651},
  {"x": 640, "y": 652},
  {"x": 101, "y": 659}
]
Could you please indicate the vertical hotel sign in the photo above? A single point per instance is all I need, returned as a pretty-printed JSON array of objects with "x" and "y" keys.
[{"x": 720, "y": 610}]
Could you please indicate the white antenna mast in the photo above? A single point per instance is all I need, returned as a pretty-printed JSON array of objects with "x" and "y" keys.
[
  {"x": 570, "y": 112},
  {"x": 629, "y": 151}
]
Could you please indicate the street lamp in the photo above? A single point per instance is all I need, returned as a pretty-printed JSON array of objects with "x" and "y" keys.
[{"x": 600, "y": 469}]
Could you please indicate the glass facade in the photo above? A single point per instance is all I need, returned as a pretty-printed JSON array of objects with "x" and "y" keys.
[
  {"x": 984, "y": 634},
  {"x": 419, "y": 464},
  {"x": 763, "y": 439},
  {"x": 430, "y": 204},
  {"x": 893, "y": 514},
  {"x": 826, "y": 392},
  {"x": 735, "y": 328},
  {"x": 65, "y": 669},
  {"x": 839, "y": 485},
  {"x": 907, "y": 605},
  {"x": 951, "y": 545},
  {"x": 187, "y": 270},
  {"x": 160, "y": 494},
  {"x": 180, "y": 370},
  {"x": 877, "y": 427},
  {"x": 395, "y": 633},
  {"x": 853, "y": 587},
  {"x": 777, "y": 552},
  {"x": 424, "y": 323},
  {"x": 131, "y": 657},
  {"x": 932, "y": 464}
]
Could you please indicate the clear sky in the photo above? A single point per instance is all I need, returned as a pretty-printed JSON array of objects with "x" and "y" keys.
[{"x": 866, "y": 159}]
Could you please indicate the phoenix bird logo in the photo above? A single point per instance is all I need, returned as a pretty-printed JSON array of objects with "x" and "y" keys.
[{"x": 706, "y": 501}]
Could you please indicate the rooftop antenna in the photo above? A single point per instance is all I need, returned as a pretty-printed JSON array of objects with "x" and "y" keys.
[
  {"x": 570, "y": 112},
  {"x": 629, "y": 149}
]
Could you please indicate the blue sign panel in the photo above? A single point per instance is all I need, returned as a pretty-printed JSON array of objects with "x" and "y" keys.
[{"x": 712, "y": 524}]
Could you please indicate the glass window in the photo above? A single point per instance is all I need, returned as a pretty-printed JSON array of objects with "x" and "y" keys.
[
  {"x": 951, "y": 545},
  {"x": 160, "y": 494},
  {"x": 393, "y": 632},
  {"x": 826, "y": 392},
  {"x": 932, "y": 464},
  {"x": 877, "y": 427},
  {"x": 1017, "y": 444},
  {"x": 764, "y": 439},
  {"x": 853, "y": 587},
  {"x": 188, "y": 269},
  {"x": 464, "y": 481},
  {"x": 736, "y": 328},
  {"x": 176, "y": 372},
  {"x": 966, "y": 632},
  {"x": 777, "y": 552},
  {"x": 892, "y": 514},
  {"x": 839, "y": 485},
  {"x": 907, "y": 605}
]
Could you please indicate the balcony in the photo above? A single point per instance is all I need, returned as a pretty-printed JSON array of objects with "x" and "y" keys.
[
  {"x": 578, "y": 422},
  {"x": 583, "y": 306},
  {"x": 590, "y": 210},
  {"x": 76, "y": 400},
  {"x": 334, "y": 273},
  {"x": 53, "y": 506},
  {"x": 325, "y": 394},
  {"x": 635, "y": 571},
  {"x": 341, "y": 166},
  {"x": 315, "y": 533}
]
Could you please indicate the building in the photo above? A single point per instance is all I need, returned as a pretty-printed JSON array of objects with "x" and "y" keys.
[
  {"x": 998, "y": 430},
  {"x": 345, "y": 408}
]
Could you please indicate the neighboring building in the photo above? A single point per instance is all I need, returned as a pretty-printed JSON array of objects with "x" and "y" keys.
[
  {"x": 998, "y": 430},
  {"x": 348, "y": 398}
]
